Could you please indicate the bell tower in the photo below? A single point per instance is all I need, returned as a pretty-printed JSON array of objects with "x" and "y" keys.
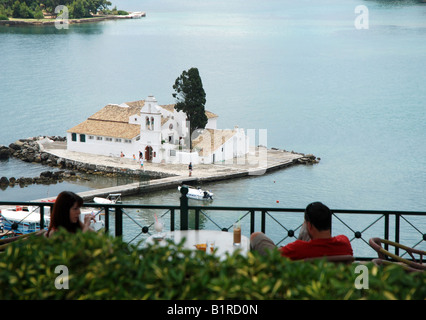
[{"x": 150, "y": 140}]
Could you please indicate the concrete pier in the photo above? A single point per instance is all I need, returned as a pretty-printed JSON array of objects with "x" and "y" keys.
[{"x": 257, "y": 162}]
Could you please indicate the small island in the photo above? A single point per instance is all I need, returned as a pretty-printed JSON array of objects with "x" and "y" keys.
[{"x": 47, "y": 12}]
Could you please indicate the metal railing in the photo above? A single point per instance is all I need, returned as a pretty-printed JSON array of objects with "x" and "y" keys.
[{"x": 283, "y": 223}]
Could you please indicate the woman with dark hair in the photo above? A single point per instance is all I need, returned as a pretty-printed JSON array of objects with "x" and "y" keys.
[{"x": 66, "y": 214}]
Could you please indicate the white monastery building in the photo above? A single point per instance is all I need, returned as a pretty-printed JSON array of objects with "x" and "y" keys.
[{"x": 159, "y": 133}]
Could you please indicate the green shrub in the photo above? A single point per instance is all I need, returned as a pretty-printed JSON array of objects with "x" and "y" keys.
[
  {"x": 102, "y": 267},
  {"x": 3, "y": 17},
  {"x": 38, "y": 15}
]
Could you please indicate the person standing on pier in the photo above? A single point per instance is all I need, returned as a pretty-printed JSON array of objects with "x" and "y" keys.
[{"x": 190, "y": 168}]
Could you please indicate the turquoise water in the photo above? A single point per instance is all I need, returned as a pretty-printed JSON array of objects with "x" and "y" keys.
[{"x": 301, "y": 70}]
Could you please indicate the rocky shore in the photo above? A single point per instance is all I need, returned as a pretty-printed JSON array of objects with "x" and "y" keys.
[
  {"x": 51, "y": 22},
  {"x": 30, "y": 150}
]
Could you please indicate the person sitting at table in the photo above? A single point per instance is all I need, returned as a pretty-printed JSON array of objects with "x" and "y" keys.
[
  {"x": 314, "y": 240},
  {"x": 66, "y": 214}
]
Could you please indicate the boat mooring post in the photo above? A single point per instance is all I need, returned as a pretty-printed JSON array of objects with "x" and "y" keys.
[{"x": 184, "y": 208}]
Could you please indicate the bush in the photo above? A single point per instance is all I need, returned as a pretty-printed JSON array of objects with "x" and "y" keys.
[
  {"x": 38, "y": 15},
  {"x": 21, "y": 10},
  {"x": 102, "y": 267},
  {"x": 3, "y": 17}
]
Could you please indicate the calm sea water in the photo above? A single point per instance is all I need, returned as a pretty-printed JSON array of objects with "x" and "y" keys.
[{"x": 300, "y": 69}]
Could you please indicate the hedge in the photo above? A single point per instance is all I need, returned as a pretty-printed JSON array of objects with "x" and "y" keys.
[{"x": 103, "y": 267}]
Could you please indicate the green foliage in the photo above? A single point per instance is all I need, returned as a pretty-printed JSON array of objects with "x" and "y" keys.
[
  {"x": 79, "y": 9},
  {"x": 102, "y": 267},
  {"x": 21, "y": 10},
  {"x": 38, "y": 14},
  {"x": 5, "y": 12},
  {"x": 191, "y": 98},
  {"x": 3, "y": 17},
  {"x": 31, "y": 8}
]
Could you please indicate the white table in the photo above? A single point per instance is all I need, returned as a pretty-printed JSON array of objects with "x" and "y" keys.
[{"x": 223, "y": 240}]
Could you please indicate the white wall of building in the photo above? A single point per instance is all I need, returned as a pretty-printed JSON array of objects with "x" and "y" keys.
[
  {"x": 236, "y": 146},
  {"x": 106, "y": 146}
]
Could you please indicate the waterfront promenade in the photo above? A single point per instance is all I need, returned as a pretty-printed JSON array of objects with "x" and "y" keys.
[{"x": 257, "y": 162}]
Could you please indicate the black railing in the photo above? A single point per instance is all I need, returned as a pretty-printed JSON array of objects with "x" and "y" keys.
[{"x": 281, "y": 224}]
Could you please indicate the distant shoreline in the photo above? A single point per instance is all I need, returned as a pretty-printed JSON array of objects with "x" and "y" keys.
[{"x": 48, "y": 22}]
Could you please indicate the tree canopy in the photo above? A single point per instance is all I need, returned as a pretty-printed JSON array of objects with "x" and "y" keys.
[
  {"x": 33, "y": 8},
  {"x": 191, "y": 98}
]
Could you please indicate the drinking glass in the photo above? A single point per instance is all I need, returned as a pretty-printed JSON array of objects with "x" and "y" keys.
[{"x": 237, "y": 234}]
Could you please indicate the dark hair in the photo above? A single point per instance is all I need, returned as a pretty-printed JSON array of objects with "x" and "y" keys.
[
  {"x": 60, "y": 216},
  {"x": 319, "y": 215}
]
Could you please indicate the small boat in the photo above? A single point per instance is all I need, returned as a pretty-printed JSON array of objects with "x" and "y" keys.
[
  {"x": 22, "y": 220},
  {"x": 112, "y": 198},
  {"x": 198, "y": 193},
  {"x": 137, "y": 15}
]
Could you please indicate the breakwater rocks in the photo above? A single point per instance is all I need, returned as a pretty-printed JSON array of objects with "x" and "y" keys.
[
  {"x": 305, "y": 159},
  {"x": 308, "y": 159},
  {"x": 52, "y": 22},
  {"x": 31, "y": 150},
  {"x": 46, "y": 177}
]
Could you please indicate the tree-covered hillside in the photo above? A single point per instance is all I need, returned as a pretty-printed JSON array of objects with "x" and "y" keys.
[{"x": 34, "y": 8}]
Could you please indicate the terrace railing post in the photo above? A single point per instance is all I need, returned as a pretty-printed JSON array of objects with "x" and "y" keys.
[
  {"x": 397, "y": 226},
  {"x": 197, "y": 219},
  {"x": 41, "y": 217},
  {"x": 386, "y": 230},
  {"x": 251, "y": 221},
  {"x": 184, "y": 208},
  {"x": 263, "y": 221},
  {"x": 106, "y": 219},
  {"x": 172, "y": 219},
  {"x": 118, "y": 221}
]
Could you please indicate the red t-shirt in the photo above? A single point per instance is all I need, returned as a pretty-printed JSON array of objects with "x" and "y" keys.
[{"x": 335, "y": 246}]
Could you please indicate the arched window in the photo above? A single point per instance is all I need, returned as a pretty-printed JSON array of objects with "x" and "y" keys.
[
  {"x": 147, "y": 123},
  {"x": 152, "y": 123}
]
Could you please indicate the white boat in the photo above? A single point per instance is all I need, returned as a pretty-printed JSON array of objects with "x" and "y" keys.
[
  {"x": 22, "y": 220},
  {"x": 112, "y": 198},
  {"x": 198, "y": 193},
  {"x": 137, "y": 15}
]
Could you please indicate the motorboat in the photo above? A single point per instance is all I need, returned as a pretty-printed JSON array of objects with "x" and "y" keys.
[
  {"x": 198, "y": 193},
  {"x": 22, "y": 220},
  {"x": 112, "y": 198},
  {"x": 137, "y": 15}
]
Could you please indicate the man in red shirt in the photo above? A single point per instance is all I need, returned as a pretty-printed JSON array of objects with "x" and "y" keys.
[{"x": 315, "y": 238}]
